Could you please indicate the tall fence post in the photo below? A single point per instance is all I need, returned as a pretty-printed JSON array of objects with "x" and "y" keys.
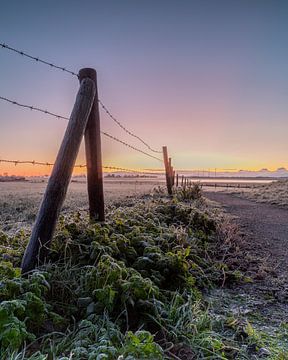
[
  {"x": 93, "y": 154},
  {"x": 60, "y": 177},
  {"x": 177, "y": 180},
  {"x": 167, "y": 170},
  {"x": 182, "y": 180}
]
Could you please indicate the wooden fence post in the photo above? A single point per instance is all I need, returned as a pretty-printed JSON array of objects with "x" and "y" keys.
[
  {"x": 93, "y": 154},
  {"x": 182, "y": 180},
  {"x": 177, "y": 180},
  {"x": 59, "y": 180},
  {"x": 167, "y": 170}
]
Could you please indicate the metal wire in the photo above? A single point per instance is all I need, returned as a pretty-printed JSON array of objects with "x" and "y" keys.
[
  {"x": 4, "y": 46},
  {"x": 37, "y": 59},
  {"x": 130, "y": 146},
  {"x": 65, "y": 118},
  {"x": 33, "y": 162},
  {"x": 33, "y": 108},
  {"x": 126, "y": 130}
]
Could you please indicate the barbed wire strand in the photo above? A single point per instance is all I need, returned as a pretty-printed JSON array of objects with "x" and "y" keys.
[
  {"x": 37, "y": 59},
  {"x": 126, "y": 130},
  {"x": 33, "y": 108},
  {"x": 66, "y": 118},
  {"x": 130, "y": 146},
  {"x": 42, "y": 163}
]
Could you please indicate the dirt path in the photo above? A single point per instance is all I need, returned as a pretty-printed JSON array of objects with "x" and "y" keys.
[
  {"x": 264, "y": 229},
  {"x": 265, "y": 225}
]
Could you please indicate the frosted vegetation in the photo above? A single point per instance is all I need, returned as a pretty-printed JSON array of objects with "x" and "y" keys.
[
  {"x": 275, "y": 193},
  {"x": 137, "y": 287}
]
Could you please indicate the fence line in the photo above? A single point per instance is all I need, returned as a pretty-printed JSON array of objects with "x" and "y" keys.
[
  {"x": 126, "y": 130},
  {"x": 83, "y": 122},
  {"x": 35, "y": 108},
  {"x": 37, "y": 59},
  {"x": 131, "y": 146},
  {"x": 108, "y": 167}
]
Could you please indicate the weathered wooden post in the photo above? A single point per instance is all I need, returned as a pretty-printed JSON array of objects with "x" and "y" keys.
[
  {"x": 59, "y": 180},
  {"x": 93, "y": 154},
  {"x": 182, "y": 181},
  {"x": 167, "y": 170},
  {"x": 177, "y": 180}
]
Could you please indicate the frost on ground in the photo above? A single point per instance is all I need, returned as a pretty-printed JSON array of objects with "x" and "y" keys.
[
  {"x": 275, "y": 193},
  {"x": 139, "y": 286}
]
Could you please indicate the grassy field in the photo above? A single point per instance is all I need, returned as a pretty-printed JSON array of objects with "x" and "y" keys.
[
  {"x": 275, "y": 193},
  {"x": 19, "y": 201},
  {"x": 140, "y": 286}
]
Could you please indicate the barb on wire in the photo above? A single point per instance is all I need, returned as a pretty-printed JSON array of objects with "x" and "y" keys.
[
  {"x": 65, "y": 118},
  {"x": 124, "y": 128},
  {"x": 130, "y": 146},
  {"x": 33, "y": 162},
  {"x": 37, "y": 59}
]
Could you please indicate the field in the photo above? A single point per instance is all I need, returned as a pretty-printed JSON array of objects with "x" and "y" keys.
[
  {"x": 19, "y": 201},
  {"x": 153, "y": 282},
  {"x": 274, "y": 193}
]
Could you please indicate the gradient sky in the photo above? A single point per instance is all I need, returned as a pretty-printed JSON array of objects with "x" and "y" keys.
[{"x": 207, "y": 78}]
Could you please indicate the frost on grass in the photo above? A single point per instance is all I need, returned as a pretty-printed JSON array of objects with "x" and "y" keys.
[
  {"x": 132, "y": 288},
  {"x": 275, "y": 193}
]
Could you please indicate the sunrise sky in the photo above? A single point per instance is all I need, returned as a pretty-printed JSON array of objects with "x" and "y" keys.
[{"x": 207, "y": 78}]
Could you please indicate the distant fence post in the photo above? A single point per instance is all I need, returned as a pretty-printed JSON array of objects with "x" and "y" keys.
[
  {"x": 59, "y": 180},
  {"x": 167, "y": 170},
  {"x": 177, "y": 180},
  {"x": 93, "y": 154},
  {"x": 182, "y": 180}
]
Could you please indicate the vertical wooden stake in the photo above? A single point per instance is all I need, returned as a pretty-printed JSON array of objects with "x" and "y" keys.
[
  {"x": 167, "y": 170},
  {"x": 182, "y": 180},
  {"x": 93, "y": 154},
  {"x": 54, "y": 196},
  {"x": 177, "y": 180}
]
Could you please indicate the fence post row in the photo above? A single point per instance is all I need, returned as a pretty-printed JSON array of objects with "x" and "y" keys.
[
  {"x": 60, "y": 177},
  {"x": 93, "y": 154},
  {"x": 167, "y": 170}
]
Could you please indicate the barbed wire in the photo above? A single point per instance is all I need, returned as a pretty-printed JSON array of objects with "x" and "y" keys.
[
  {"x": 33, "y": 108},
  {"x": 130, "y": 146},
  {"x": 5, "y": 46},
  {"x": 124, "y": 128},
  {"x": 66, "y": 118},
  {"x": 37, "y": 59},
  {"x": 42, "y": 163}
]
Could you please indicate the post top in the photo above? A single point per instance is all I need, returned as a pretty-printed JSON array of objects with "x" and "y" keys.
[{"x": 87, "y": 73}]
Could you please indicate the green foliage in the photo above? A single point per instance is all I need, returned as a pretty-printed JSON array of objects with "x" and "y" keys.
[
  {"x": 145, "y": 268},
  {"x": 140, "y": 346}
]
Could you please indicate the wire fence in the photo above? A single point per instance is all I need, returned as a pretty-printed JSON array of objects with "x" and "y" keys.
[
  {"x": 35, "y": 108},
  {"x": 106, "y": 167},
  {"x": 64, "y": 69}
]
